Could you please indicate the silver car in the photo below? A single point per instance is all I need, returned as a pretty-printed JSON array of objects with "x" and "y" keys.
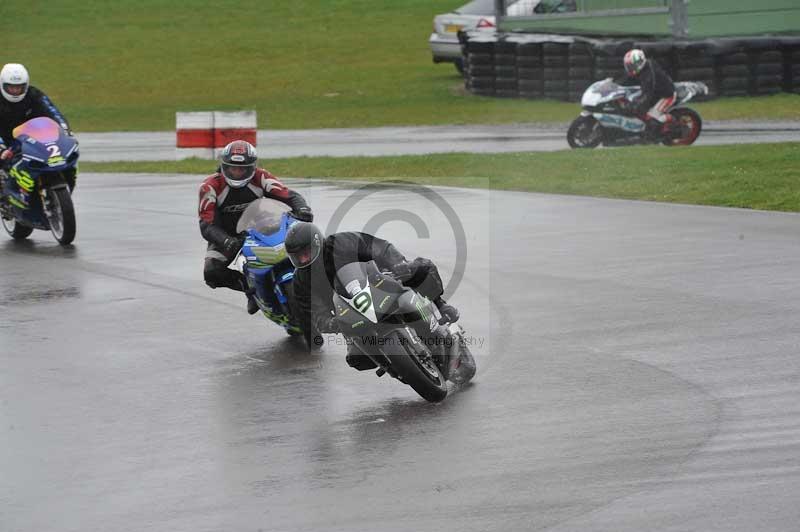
[
  {"x": 479, "y": 15},
  {"x": 476, "y": 15}
]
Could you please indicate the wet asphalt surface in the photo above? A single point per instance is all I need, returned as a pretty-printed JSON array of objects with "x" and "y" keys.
[
  {"x": 638, "y": 370},
  {"x": 150, "y": 146}
]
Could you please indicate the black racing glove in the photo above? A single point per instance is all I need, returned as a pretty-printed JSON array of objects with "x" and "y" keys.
[
  {"x": 304, "y": 214},
  {"x": 449, "y": 313},
  {"x": 231, "y": 246},
  {"x": 403, "y": 271}
]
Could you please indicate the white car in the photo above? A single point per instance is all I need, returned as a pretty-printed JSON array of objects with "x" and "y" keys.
[
  {"x": 479, "y": 15},
  {"x": 476, "y": 15}
]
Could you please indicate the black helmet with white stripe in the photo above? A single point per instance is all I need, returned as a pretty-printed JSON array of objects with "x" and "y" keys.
[{"x": 238, "y": 163}]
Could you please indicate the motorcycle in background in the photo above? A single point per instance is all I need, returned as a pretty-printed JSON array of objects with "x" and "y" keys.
[
  {"x": 605, "y": 120},
  {"x": 36, "y": 188}
]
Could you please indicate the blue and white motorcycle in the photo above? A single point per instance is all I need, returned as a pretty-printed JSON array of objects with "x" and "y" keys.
[
  {"x": 605, "y": 118},
  {"x": 36, "y": 188},
  {"x": 264, "y": 263}
]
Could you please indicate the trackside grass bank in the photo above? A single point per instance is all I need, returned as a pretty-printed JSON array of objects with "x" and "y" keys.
[
  {"x": 129, "y": 65},
  {"x": 759, "y": 176}
]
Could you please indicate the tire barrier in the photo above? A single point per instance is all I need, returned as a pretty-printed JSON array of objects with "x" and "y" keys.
[{"x": 562, "y": 67}]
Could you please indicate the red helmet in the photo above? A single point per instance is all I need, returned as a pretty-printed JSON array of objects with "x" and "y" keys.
[{"x": 238, "y": 163}]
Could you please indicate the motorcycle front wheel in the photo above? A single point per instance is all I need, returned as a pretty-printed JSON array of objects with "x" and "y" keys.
[
  {"x": 585, "y": 132},
  {"x": 16, "y": 230},
  {"x": 465, "y": 368},
  {"x": 414, "y": 365},
  {"x": 61, "y": 215}
]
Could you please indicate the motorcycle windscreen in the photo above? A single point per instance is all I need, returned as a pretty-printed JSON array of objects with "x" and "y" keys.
[
  {"x": 263, "y": 215},
  {"x": 370, "y": 292},
  {"x": 354, "y": 277},
  {"x": 41, "y": 129}
]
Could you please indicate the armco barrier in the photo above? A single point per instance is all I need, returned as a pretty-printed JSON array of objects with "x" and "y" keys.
[
  {"x": 562, "y": 67},
  {"x": 203, "y": 134}
]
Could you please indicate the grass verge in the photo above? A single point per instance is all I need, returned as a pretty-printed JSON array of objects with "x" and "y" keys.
[
  {"x": 129, "y": 65},
  {"x": 756, "y": 176}
]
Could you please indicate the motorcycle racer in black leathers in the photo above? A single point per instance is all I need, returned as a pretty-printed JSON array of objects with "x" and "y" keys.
[
  {"x": 21, "y": 102},
  {"x": 317, "y": 260},
  {"x": 658, "y": 91}
]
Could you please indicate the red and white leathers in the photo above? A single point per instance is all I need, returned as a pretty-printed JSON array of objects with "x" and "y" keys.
[
  {"x": 660, "y": 111},
  {"x": 221, "y": 206}
]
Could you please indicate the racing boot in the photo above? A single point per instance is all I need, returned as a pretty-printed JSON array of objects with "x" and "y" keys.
[
  {"x": 670, "y": 129},
  {"x": 358, "y": 360},
  {"x": 449, "y": 313},
  {"x": 252, "y": 306},
  {"x": 653, "y": 130}
]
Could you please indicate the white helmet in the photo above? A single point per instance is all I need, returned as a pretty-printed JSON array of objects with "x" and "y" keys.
[{"x": 14, "y": 81}]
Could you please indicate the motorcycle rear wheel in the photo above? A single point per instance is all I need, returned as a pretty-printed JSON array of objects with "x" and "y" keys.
[
  {"x": 585, "y": 132},
  {"x": 413, "y": 363},
  {"x": 690, "y": 125},
  {"x": 16, "y": 230}
]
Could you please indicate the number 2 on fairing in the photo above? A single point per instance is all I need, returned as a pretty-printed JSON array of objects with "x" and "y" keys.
[{"x": 54, "y": 150}]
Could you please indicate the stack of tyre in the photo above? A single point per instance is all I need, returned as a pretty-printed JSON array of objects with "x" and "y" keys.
[
  {"x": 561, "y": 67},
  {"x": 530, "y": 70},
  {"x": 791, "y": 55},
  {"x": 733, "y": 69},
  {"x": 479, "y": 64},
  {"x": 505, "y": 68},
  {"x": 608, "y": 59},
  {"x": 693, "y": 61},
  {"x": 766, "y": 67},
  {"x": 555, "y": 58},
  {"x": 581, "y": 70}
]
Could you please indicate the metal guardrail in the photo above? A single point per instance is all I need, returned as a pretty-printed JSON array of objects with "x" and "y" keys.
[
  {"x": 658, "y": 18},
  {"x": 562, "y": 10}
]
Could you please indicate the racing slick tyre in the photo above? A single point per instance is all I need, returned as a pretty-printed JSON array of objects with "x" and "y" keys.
[
  {"x": 464, "y": 368},
  {"x": 585, "y": 132},
  {"x": 690, "y": 125},
  {"x": 16, "y": 230},
  {"x": 61, "y": 215},
  {"x": 414, "y": 365}
]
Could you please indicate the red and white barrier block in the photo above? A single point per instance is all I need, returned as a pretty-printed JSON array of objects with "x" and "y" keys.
[{"x": 203, "y": 134}]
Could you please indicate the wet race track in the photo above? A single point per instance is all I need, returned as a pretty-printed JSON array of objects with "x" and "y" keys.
[
  {"x": 160, "y": 146},
  {"x": 638, "y": 370}
]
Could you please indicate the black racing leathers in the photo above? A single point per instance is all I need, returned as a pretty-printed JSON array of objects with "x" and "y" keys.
[
  {"x": 34, "y": 105},
  {"x": 313, "y": 286},
  {"x": 655, "y": 84}
]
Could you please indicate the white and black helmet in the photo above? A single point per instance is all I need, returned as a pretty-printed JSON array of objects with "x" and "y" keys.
[
  {"x": 238, "y": 163},
  {"x": 14, "y": 81}
]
